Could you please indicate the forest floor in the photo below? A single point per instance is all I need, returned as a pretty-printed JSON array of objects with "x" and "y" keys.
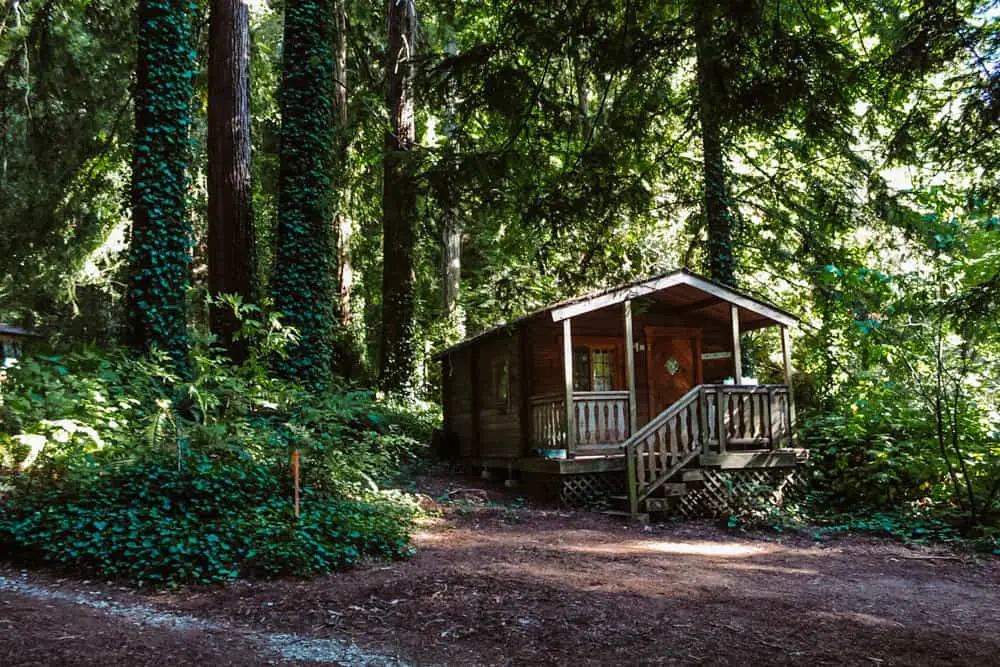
[{"x": 496, "y": 581}]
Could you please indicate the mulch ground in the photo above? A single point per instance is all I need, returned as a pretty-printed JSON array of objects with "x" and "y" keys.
[{"x": 497, "y": 582}]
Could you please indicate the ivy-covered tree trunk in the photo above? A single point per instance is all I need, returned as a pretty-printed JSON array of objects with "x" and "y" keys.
[
  {"x": 304, "y": 270},
  {"x": 231, "y": 252},
  {"x": 721, "y": 259},
  {"x": 159, "y": 255},
  {"x": 399, "y": 205}
]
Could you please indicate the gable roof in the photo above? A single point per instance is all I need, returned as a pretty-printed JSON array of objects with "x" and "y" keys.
[{"x": 767, "y": 312}]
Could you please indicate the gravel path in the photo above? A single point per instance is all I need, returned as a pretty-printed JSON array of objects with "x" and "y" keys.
[{"x": 270, "y": 646}]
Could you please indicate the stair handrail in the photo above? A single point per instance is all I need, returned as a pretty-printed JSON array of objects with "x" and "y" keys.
[{"x": 656, "y": 422}]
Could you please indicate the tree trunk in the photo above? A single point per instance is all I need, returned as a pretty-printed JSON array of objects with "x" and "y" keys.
[
  {"x": 399, "y": 205},
  {"x": 451, "y": 241},
  {"x": 721, "y": 260},
  {"x": 159, "y": 252},
  {"x": 231, "y": 251},
  {"x": 303, "y": 268},
  {"x": 342, "y": 223},
  {"x": 451, "y": 231}
]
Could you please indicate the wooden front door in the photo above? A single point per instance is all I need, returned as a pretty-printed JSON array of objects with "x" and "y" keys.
[{"x": 673, "y": 365}]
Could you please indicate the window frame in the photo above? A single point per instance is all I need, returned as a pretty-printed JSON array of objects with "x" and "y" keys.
[
  {"x": 617, "y": 360},
  {"x": 501, "y": 384}
]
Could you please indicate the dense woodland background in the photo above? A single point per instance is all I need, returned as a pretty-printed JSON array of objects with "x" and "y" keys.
[{"x": 390, "y": 177}]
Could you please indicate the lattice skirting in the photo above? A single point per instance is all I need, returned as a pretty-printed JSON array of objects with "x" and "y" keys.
[
  {"x": 728, "y": 492},
  {"x": 575, "y": 491}
]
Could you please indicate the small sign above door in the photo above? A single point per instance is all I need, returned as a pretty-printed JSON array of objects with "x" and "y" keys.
[{"x": 717, "y": 355}]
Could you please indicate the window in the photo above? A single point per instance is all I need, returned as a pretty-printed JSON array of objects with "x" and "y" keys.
[
  {"x": 501, "y": 384},
  {"x": 595, "y": 367}
]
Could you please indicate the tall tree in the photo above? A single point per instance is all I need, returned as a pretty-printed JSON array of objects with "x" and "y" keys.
[
  {"x": 451, "y": 225},
  {"x": 159, "y": 255},
  {"x": 231, "y": 247},
  {"x": 342, "y": 222},
  {"x": 399, "y": 203},
  {"x": 304, "y": 270},
  {"x": 710, "y": 86}
]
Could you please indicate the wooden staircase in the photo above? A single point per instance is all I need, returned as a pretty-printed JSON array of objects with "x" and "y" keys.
[
  {"x": 656, "y": 457},
  {"x": 667, "y": 457}
]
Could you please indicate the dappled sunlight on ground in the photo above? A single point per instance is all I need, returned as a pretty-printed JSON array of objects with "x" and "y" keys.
[{"x": 681, "y": 548}]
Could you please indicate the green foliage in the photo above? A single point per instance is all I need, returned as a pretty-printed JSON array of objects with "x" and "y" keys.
[
  {"x": 218, "y": 519},
  {"x": 129, "y": 471},
  {"x": 159, "y": 255},
  {"x": 304, "y": 270}
]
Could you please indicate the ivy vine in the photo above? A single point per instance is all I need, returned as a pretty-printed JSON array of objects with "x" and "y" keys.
[
  {"x": 303, "y": 275},
  {"x": 161, "y": 233}
]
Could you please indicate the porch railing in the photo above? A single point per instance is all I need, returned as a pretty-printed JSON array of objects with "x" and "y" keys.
[
  {"x": 708, "y": 419},
  {"x": 751, "y": 417},
  {"x": 601, "y": 418}
]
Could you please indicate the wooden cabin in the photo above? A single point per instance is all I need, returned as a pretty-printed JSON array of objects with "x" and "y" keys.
[
  {"x": 12, "y": 342},
  {"x": 659, "y": 406}
]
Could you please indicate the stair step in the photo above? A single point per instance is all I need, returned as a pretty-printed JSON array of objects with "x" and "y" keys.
[{"x": 693, "y": 475}]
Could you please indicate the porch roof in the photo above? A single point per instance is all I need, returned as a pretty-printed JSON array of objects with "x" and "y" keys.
[{"x": 684, "y": 289}]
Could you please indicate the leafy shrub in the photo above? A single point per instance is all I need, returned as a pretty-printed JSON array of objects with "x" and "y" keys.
[
  {"x": 214, "y": 521},
  {"x": 125, "y": 470},
  {"x": 875, "y": 453}
]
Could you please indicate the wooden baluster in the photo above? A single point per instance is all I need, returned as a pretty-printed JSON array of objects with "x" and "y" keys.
[
  {"x": 745, "y": 416},
  {"x": 721, "y": 410},
  {"x": 762, "y": 407},
  {"x": 696, "y": 425},
  {"x": 674, "y": 455},
  {"x": 606, "y": 424},
  {"x": 653, "y": 453}
]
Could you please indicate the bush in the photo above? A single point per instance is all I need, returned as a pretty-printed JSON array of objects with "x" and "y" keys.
[
  {"x": 214, "y": 521},
  {"x": 124, "y": 470}
]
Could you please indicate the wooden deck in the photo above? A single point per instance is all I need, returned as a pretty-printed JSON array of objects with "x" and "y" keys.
[{"x": 598, "y": 463}]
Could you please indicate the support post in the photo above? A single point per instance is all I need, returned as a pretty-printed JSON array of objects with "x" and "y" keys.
[
  {"x": 786, "y": 353},
  {"x": 734, "y": 316},
  {"x": 633, "y": 414},
  {"x": 633, "y": 408},
  {"x": 568, "y": 377}
]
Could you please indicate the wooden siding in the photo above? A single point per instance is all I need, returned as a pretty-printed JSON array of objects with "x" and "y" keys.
[
  {"x": 500, "y": 421},
  {"x": 486, "y": 425},
  {"x": 457, "y": 399}
]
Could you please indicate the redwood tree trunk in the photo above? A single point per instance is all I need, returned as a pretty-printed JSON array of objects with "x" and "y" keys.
[
  {"x": 231, "y": 251},
  {"x": 159, "y": 252},
  {"x": 399, "y": 205},
  {"x": 344, "y": 226},
  {"x": 303, "y": 265},
  {"x": 721, "y": 260}
]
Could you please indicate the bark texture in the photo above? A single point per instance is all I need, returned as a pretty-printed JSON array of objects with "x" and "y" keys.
[
  {"x": 231, "y": 251},
  {"x": 343, "y": 224},
  {"x": 399, "y": 204}
]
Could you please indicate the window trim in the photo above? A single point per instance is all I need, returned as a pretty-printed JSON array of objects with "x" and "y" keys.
[
  {"x": 501, "y": 370},
  {"x": 617, "y": 362}
]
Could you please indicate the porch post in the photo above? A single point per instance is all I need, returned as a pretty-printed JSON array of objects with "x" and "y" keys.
[
  {"x": 633, "y": 414},
  {"x": 786, "y": 353},
  {"x": 568, "y": 377},
  {"x": 734, "y": 317}
]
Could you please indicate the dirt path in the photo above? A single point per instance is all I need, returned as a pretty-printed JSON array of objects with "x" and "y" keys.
[{"x": 498, "y": 585}]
